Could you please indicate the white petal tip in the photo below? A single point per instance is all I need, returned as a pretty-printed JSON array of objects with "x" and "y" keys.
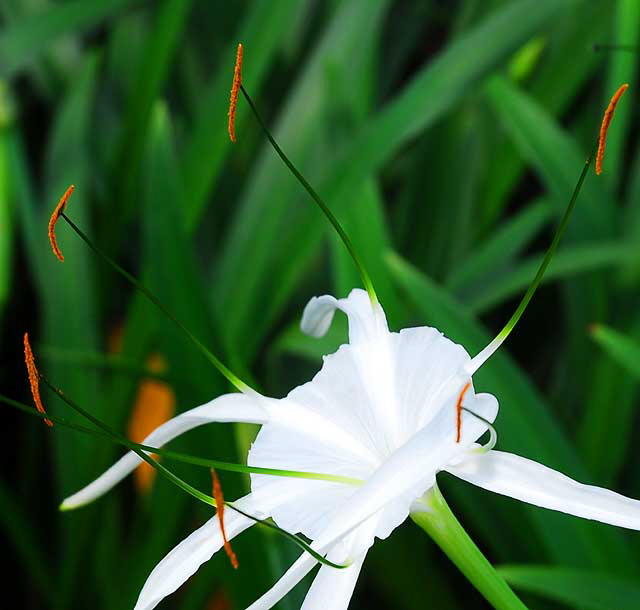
[{"x": 317, "y": 316}]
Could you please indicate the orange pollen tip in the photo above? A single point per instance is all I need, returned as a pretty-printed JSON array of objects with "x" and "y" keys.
[
  {"x": 606, "y": 121},
  {"x": 459, "y": 410},
  {"x": 235, "y": 89},
  {"x": 219, "y": 498},
  {"x": 54, "y": 219},
  {"x": 34, "y": 377}
]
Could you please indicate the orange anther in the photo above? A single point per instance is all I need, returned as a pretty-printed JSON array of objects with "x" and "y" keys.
[
  {"x": 235, "y": 89},
  {"x": 54, "y": 218},
  {"x": 606, "y": 121},
  {"x": 219, "y": 498},
  {"x": 34, "y": 377},
  {"x": 459, "y": 410}
]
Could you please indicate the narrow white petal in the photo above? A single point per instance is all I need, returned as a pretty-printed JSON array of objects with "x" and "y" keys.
[
  {"x": 357, "y": 542},
  {"x": 184, "y": 560},
  {"x": 226, "y": 408},
  {"x": 531, "y": 482},
  {"x": 366, "y": 320},
  {"x": 333, "y": 588},
  {"x": 300, "y": 568}
]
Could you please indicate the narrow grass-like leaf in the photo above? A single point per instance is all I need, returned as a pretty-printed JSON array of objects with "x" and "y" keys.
[
  {"x": 585, "y": 589},
  {"x": 568, "y": 262},
  {"x": 23, "y": 40}
]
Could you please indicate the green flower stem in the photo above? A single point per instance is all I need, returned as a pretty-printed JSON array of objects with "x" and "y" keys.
[
  {"x": 435, "y": 517},
  {"x": 364, "y": 275}
]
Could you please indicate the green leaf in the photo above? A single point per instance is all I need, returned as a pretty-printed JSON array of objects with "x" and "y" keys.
[
  {"x": 567, "y": 262},
  {"x": 622, "y": 348},
  {"x": 507, "y": 241},
  {"x": 584, "y": 589},
  {"x": 25, "y": 39}
]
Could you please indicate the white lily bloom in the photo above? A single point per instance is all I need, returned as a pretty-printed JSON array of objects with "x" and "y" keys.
[{"x": 383, "y": 410}]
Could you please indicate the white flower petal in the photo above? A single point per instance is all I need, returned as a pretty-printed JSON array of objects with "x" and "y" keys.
[
  {"x": 226, "y": 408},
  {"x": 333, "y": 588},
  {"x": 300, "y": 568},
  {"x": 529, "y": 481},
  {"x": 356, "y": 543},
  {"x": 185, "y": 559},
  {"x": 365, "y": 320}
]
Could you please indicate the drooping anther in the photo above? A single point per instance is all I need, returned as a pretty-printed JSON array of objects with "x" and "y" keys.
[
  {"x": 606, "y": 121},
  {"x": 54, "y": 219},
  {"x": 235, "y": 89},
  {"x": 219, "y": 498},
  {"x": 459, "y": 410},
  {"x": 34, "y": 377}
]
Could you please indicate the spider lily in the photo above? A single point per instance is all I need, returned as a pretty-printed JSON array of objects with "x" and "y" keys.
[
  {"x": 386, "y": 413},
  {"x": 382, "y": 411}
]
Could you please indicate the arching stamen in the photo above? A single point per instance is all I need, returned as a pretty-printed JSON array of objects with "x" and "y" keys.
[
  {"x": 54, "y": 219},
  {"x": 459, "y": 410},
  {"x": 235, "y": 89},
  {"x": 606, "y": 121},
  {"x": 230, "y": 376},
  {"x": 364, "y": 275},
  {"x": 477, "y": 361},
  {"x": 219, "y": 498},
  {"x": 34, "y": 378}
]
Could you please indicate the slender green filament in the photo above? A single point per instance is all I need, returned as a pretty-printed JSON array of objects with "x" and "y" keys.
[
  {"x": 488, "y": 351},
  {"x": 364, "y": 275},
  {"x": 231, "y": 377}
]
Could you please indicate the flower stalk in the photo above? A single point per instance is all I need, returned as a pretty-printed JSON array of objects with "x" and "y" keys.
[{"x": 434, "y": 516}]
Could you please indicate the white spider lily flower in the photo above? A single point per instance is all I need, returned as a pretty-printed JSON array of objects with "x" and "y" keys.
[{"x": 383, "y": 409}]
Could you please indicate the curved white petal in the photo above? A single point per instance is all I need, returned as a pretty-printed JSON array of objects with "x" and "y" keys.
[
  {"x": 356, "y": 543},
  {"x": 529, "y": 481},
  {"x": 185, "y": 559},
  {"x": 333, "y": 588},
  {"x": 300, "y": 568},
  {"x": 366, "y": 320},
  {"x": 226, "y": 408}
]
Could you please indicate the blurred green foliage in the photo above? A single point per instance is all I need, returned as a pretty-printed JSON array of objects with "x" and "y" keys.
[{"x": 446, "y": 136}]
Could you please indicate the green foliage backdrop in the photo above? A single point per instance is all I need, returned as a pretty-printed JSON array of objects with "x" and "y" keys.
[{"x": 446, "y": 136}]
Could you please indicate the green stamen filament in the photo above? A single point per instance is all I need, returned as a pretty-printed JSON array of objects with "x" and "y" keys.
[
  {"x": 364, "y": 275},
  {"x": 231, "y": 377}
]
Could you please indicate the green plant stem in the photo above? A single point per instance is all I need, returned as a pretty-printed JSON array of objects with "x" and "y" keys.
[{"x": 435, "y": 517}]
